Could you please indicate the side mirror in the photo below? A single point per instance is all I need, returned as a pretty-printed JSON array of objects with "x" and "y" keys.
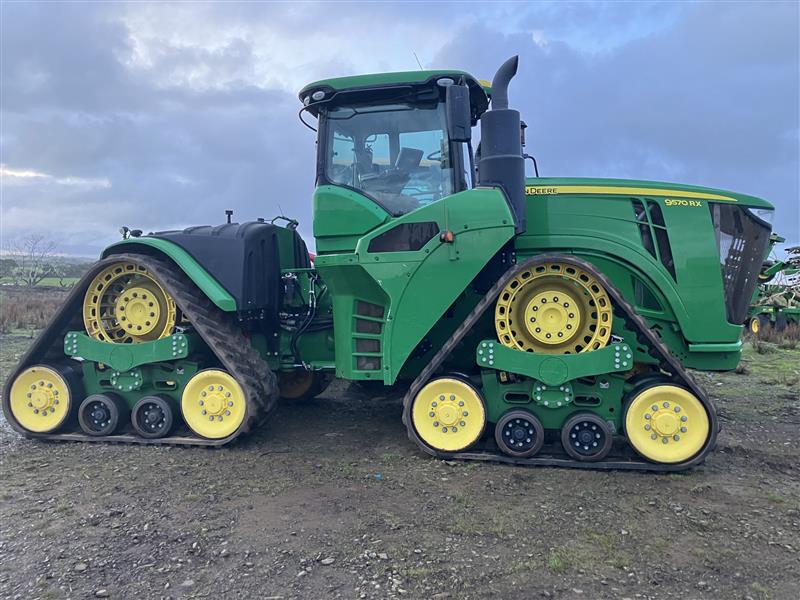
[{"x": 459, "y": 113}]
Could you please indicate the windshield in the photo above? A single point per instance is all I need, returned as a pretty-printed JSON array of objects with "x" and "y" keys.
[{"x": 397, "y": 154}]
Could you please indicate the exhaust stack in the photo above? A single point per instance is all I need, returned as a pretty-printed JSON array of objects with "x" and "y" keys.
[{"x": 502, "y": 164}]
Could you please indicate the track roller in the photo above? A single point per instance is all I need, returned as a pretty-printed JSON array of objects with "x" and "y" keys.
[
  {"x": 666, "y": 423},
  {"x": 42, "y": 398},
  {"x": 449, "y": 414},
  {"x": 102, "y": 414},
  {"x": 519, "y": 433},
  {"x": 586, "y": 437},
  {"x": 153, "y": 416},
  {"x": 213, "y": 404}
]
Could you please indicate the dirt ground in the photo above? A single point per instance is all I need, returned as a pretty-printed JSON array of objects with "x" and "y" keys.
[{"x": 330, "y": 500}]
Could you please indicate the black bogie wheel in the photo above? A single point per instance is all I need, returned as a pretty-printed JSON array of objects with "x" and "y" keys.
[
  {"x": 102, "y": 414},
  {"x": 154, "y": 416},
  {"x": 586, "y": 437},
  {"x": 519, "y": 433}
]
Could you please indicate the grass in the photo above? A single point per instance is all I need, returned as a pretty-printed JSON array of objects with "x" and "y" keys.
[{"x": 28, "y": 309}]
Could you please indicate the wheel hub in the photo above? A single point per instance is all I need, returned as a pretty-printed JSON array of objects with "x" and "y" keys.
[
  {"x": 519, "y": 434},
  {"x": 552, "y": 318},
  {"x": 586, "y": 437},
  {"x": 666, "y": 421},
  {"x": 215, "y": 400},
  {"x": 447, "y": 412},
  {"x": 99, "y": 414},
  {"x": 137, "y": 310}
]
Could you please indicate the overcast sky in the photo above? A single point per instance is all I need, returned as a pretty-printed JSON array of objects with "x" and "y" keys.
[{"x": 160, "y": 116}]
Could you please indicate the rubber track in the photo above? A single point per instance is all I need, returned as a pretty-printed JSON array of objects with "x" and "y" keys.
[
  {"x": 634, "y": 322},
  {"x": 217, "y": 328}
]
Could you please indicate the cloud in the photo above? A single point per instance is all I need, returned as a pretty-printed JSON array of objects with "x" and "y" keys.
[
  {"x": 711, "y": 99},
  {"x": 164, "y": 115},
  {"x": 10, "y": 176}
]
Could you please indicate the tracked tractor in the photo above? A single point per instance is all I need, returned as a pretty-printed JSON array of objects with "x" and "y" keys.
[{"x": 528, "y": 320}]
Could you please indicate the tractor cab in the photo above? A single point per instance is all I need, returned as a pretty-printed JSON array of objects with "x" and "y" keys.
[{"x": 390, "y": 143}]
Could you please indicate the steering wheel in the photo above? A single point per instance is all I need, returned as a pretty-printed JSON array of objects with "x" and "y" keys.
[{"x": 432, "y": 155}]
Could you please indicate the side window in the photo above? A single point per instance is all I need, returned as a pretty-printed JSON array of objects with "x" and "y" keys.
[
  {"x": 350, "y": 162},
  {"x": 430, "y": 180}
]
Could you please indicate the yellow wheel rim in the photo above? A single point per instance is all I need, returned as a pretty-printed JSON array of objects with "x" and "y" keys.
[
  {"x": 295, "y": 384},
  {"x": 448, "y": 414},
  {"x": 40, "y": 399},
  {"x": 126, "y": 304},
  {"x": 666, "y": 424},
  {"x": 213, "y": 404},
  {"x": 554, "y": 308},
  {"x": 754, "y": 325}
]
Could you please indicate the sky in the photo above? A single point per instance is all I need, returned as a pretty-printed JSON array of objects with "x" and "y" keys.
[{"x": 161, "y": 116}]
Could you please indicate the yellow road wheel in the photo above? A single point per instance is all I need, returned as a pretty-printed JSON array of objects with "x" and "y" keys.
[
  {"x": 40, "y": 399},
  {"x": 755, "y": 326},
  {"x": 554, "y": 308},
  {"x": 213, "y": 404},
  {"x": 666, "y": 424},
  {"x": 126, "y": 304},
  {"x": 448, "y": 414}
]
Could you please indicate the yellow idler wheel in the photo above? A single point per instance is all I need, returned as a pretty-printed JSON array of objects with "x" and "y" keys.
[
  {"x": 40, "y": 399},
  {"x": 126, "y": 304},
  {"x": 213, "y": 404},
  {"x": 448, "y": 414},
  {"x": 666, "y": 424},
  {"x": 554, "y": 308}
]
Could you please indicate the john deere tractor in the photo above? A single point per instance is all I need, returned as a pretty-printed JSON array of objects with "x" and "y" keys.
[{"x": 529, "y": 320}]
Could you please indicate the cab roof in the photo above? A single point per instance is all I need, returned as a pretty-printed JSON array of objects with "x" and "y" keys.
[{"x": 480, "y": 91}]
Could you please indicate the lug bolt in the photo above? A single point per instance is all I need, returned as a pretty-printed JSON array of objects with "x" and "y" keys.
[
  {"x": 683, "y": 430},
  {"x": 230, "y": 403},
  {"x": 431, "y": 414},
  {"x": 676, "y": 437},
  {"x": 463, "y": 423},
  {"x": 465, "y": 413}
]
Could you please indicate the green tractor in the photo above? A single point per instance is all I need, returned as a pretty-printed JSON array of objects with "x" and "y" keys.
[
  {"x": 530, "y": 320},
  {"x": 776, "y": 301}
]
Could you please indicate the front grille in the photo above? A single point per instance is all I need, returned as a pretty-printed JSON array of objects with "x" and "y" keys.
[{"x": 742, "y": 241}]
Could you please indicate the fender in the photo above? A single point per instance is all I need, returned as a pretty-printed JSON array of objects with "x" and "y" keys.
[{"x": 155, "y": 246}]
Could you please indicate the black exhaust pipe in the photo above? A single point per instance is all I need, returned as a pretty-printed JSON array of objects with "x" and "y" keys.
[{"x": 502, "y": 164}]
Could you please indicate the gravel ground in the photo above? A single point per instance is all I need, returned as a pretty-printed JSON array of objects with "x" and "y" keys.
[{"x": 330, "y": 500}]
